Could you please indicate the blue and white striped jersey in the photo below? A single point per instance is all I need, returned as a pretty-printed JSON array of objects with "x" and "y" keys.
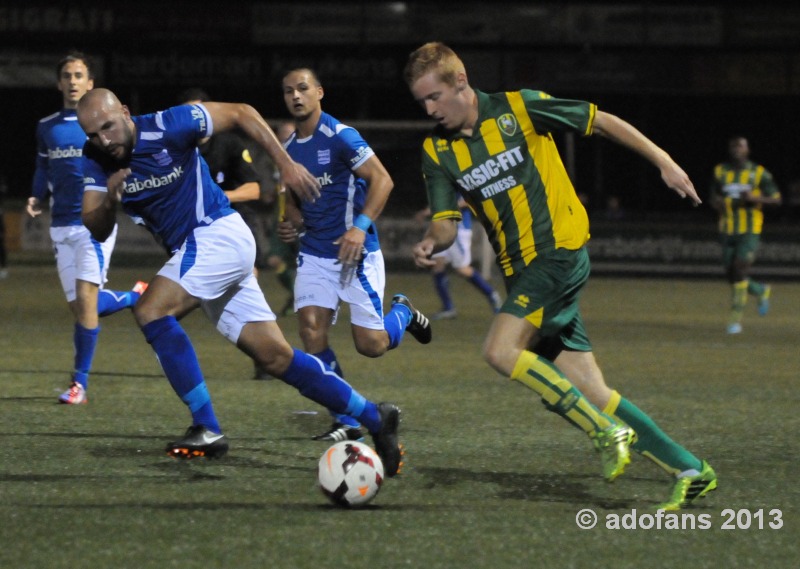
[
  {"x": 169, "y": 190},
  {"x": 59, "y": 146},
  {"x": 331, "y": 154}
]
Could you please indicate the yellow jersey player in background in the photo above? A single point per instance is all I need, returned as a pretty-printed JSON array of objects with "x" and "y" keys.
[{"x": 739, "y": 191}]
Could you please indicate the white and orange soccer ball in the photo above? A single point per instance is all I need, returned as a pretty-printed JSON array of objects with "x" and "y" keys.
[{"x": 350, "y": 473}]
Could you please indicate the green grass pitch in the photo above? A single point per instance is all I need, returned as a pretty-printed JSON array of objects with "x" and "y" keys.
[{"x": 492, "y": 480}]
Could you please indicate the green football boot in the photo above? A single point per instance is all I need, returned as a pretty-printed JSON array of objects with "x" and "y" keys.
[
  {"x": 690, "y": 488},
  {"x": 613, "y": 444}
]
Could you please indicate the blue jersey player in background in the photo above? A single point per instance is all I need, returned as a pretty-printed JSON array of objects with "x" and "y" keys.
[
  {"x": 152, "y": 166},
  {"x": 82, "y": 261},
  {"x": 340, "y": 258}
]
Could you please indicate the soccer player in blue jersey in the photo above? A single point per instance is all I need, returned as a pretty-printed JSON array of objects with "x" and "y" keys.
[
  {"x": 82, "y": 261},
  {"x": 340, "y": 258},
  {"x": 152, "y": 166},
  {"x": 458, "y": 256}
]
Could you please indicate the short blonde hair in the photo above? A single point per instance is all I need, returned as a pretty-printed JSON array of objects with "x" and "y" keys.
[{"x": 433, "y": 56}]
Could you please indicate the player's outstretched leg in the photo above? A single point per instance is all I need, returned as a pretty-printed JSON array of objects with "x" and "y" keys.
[
  {"x": 111, "y": 301},
  {"x": 315, "y": 380},
  {"x": 694, "y": 478}
]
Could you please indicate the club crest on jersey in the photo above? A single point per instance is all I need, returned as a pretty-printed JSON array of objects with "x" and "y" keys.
[
  {"x": 323, "y": 157},
  {"x": 163, "y": 158},
  {"x": 441, "y": 145},
  {"x": 507, "y": 123}
]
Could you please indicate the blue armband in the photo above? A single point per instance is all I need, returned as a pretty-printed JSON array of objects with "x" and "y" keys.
[{"x": 362, "y": 222}]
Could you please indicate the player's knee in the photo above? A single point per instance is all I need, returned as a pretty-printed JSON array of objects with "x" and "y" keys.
[
  {"x": 313, "y": 338},
  {"x": 372, "y": 348},
  {"x": 144, "y": 313},
  {"x": 498, "y": 358},
  {"x": 274, "y": 357}
]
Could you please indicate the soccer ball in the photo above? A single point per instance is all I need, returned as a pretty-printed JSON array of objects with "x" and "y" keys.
[{"x": 350, "y": 473}]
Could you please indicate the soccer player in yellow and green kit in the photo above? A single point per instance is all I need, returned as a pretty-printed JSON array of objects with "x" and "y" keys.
[
  {"x": 497, "y": 152},
  {"x": 739, "y": 191}
]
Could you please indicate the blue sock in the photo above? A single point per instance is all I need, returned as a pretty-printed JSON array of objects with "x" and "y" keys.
[
  {"x": 111, "y": 301},
  {"x": 395, "y": 323},
  {"x": 85, "y": 342},
  {"x": 480, "y": 283},
  {"x": 442, "y": 284},
  {"x": 318, "y": 382},
  {"x": 179, "y": 362},
  {"x": 328, "y": 357}
]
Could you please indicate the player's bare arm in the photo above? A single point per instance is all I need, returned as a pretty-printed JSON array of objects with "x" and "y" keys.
[
  {"x": 33, "y": 207},
  {"x": 246, "y": 192},
  {"x": 99, "y": 209},
  {"x": 379, "y": 186},
  {"x": 440, "y": 235},
  {"x": 622, "y": 132},
  {"x": 750, "y": 197},
  {"x": 229, "y": 115}
]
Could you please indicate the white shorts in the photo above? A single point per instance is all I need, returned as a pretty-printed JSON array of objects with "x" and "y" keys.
[
  {"x": 319, "y": 283},
  {"x": 79, "y": 256},
  {"x": 215, "y": 265},
  {"x": 459, "y": 254}
]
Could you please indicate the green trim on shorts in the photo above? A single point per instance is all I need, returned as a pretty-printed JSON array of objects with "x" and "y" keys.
[{"x": 546, "y": 294}]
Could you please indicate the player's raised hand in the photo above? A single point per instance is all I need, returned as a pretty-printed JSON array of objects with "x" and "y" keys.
[
  {"x": 116, "y": 184},
  {"x": 300, "y": 181},
  {"x": 33, "y": 207}
]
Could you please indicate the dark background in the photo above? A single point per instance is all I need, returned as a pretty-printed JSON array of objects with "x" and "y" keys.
[{"x": 689, "y": 75}]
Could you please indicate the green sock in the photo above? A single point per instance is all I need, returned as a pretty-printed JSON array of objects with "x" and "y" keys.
[{"x": 652, "y": 441}]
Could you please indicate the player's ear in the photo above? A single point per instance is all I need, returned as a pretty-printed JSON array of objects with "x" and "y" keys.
[
  {"x": 320, "y": 93},
  {"x": 126, "y": 112},
  {"x": 461, "y": 81}
]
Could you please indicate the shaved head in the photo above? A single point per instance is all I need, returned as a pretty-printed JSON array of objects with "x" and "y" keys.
[
  {"x": 107, "y": 123},
  {"x": 98, "y": 100}
]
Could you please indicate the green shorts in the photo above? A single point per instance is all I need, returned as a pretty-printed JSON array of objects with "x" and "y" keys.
[
  {"x": 546, "y": 294},
  {"x": 739, "y": 248}
]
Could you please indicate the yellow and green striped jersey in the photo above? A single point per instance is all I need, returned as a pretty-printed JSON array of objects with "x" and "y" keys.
[
  {"x": 738, "y": 217},
  {"x": 511, "y": 175}
]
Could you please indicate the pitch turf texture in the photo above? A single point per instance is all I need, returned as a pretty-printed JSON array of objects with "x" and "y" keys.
[{"x": 491, "y": 480}]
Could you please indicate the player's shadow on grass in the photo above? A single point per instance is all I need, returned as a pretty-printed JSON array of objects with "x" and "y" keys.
[{"x": 525, "y": 486}]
